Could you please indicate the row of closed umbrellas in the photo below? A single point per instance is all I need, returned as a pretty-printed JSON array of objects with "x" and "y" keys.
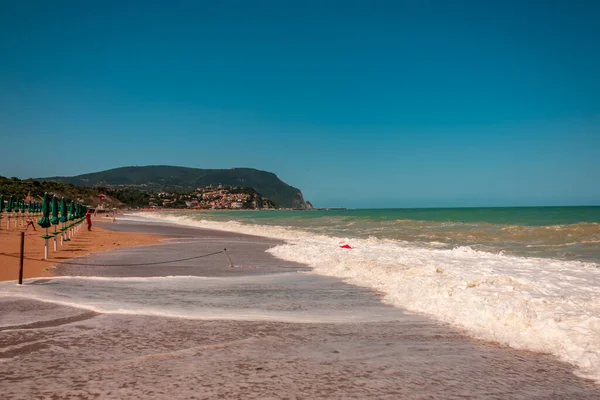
[{"x": 58, "y": 208}]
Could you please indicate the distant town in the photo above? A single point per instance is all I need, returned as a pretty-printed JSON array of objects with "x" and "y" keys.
[{"x": 212, "y": 198}]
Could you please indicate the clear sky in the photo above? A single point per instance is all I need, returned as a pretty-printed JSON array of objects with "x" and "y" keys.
[{"x": 410, "y": 103}]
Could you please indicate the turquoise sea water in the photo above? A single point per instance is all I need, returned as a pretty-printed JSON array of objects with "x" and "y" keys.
[
  {"x": 559, "y": 232},
  {"x": 523, "y": 277}
]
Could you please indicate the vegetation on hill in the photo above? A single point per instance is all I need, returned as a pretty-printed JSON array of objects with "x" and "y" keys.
[
  {"x": 34, "y": 188},
  {"x": 210, "y": 197},
  {"x": 169, "y": 178}
]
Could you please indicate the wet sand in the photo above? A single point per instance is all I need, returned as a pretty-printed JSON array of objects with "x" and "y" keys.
[
  {"x": 82, "y": 243},
  {"x": 359, "y": 347}
]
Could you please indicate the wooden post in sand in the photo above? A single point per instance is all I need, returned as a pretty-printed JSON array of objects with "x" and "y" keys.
[
  {"x": 228, "y": 259},
  {"x": 21, "y": 258}
]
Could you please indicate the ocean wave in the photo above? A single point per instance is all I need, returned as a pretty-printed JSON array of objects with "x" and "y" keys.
[{"x": 541, "y": 304}]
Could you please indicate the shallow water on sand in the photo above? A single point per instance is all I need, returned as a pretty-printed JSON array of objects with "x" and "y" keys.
[
  {"x": 131, "y": 357},
  {"x": 264, "y": 329},
  {"x": 543, "y": 304},
  {"x": 285, "y": 297}
]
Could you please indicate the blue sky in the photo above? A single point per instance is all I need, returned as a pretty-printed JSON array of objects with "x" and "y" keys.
[{"x": 357, "y": 103}]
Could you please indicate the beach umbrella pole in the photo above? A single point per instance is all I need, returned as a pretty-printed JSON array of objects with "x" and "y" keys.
[{"x": 46, "y": 244}]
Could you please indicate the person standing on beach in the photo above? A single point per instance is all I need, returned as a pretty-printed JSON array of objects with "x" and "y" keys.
[
  {"x": 88, "y": 219},
  {"x": 30, "y": 223}
]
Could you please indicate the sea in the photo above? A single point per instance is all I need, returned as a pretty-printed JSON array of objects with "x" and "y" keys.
[{"x": 525, "y": 277}]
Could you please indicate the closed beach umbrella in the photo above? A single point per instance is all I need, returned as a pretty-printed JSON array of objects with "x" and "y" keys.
[
  {"x": 9, "y": 204},
  {"x": 63, "y": 210},
  {"x": 1, "y": 203},
  {"x": 23, "y": 208},
  {"x": 44, "y": 222},
  {"x": 72, "y": 211},
  {"x": 17, "y": 205},
  {"x": 54, "y": 219}
]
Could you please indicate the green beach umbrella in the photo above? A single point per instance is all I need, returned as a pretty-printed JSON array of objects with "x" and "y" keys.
[
  {"x": 17, "y": 205},
  {"x": 44, "y": 222},
  {"x": 72, "y": 211},
  {"x": 1, "y": 203},
  {"x": 9, "y": 204},
  {"x": 63, "y": 210},
  {"x": 54, "y": 219},
  {"x": 23, "y": 209}
]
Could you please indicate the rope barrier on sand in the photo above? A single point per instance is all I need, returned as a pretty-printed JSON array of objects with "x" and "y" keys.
[{"x": 121, "y": 265}]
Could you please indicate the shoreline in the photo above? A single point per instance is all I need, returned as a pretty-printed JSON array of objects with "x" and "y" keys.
[
  {"x": 517, "y": 329},
  {"x": 81, "y": 244},
  {"x": 193, "y": 351}
]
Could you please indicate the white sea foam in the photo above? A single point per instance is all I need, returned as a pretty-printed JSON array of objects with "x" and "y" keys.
[
  {"x": 206, "y": 298},
  {"x": 540, "y": 304}
]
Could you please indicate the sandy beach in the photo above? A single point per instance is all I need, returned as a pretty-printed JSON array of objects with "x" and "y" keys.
[
  {"x": 83, "y": 243},
  {"x": 265, "y": 329}
]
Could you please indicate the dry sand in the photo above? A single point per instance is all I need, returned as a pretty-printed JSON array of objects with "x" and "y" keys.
[{"x": 83, "y": 243}]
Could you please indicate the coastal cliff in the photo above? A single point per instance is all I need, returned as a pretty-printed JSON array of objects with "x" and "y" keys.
[{"x": 173, "y": 178}]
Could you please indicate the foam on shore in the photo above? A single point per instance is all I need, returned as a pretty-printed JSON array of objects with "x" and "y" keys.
[
  {"x": 545, "y": 305},
  {"x": 284, "y": 297}
]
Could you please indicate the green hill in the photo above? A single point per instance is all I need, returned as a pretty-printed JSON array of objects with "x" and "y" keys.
[
  {"x": 164, "y": 177},
  {"x": 21, "y": 189}
]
